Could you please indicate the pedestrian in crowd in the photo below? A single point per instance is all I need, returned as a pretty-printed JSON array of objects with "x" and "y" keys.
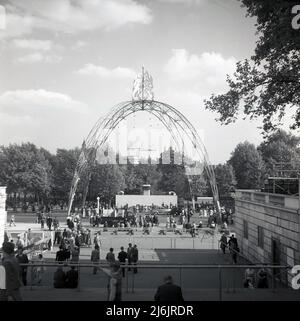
[
  {"x": 12, "y": 220},
  {"x": 43, "y": 219},
  {"x": 65, "y": 233},
  {"x": 57, "y": 236},
  {"x": 55, "y": 223},
  {"x": 233, "y": 248},
  {"x": 115, "y": 282},
  {"x": 122, "y": 256},
  {"x": 97, "y": 239},
  {"x": 29, "y": 236},
  {"x": 19, "y": 243},
  {"x": 22, "y": 258},
  {"x": 223, "y": 242},
  {"x": 60, "y": 255},
  {"x": 75, "y": 255},
  {"x": 49, "y": 244},
  {"x": 129, "y": 254},
  {"x": 95, "y": 258},
  {"x": 110, "y": 256},
  {"x": 49, "y": 222},
  {"x": 169, "y": 291},
  {"x": 12, "y": 273},
  {"x": 135, "y": 257},
  {"x": 59, "y": 278},
  {"x": 72, "y": 278},
  {"x": 262, "y": 279}
]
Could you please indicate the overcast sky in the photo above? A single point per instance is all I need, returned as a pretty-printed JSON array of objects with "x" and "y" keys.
[{"x": 65, "y": 63}]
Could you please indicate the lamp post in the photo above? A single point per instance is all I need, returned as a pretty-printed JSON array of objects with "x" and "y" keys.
[{"x": 98, "y": 205}]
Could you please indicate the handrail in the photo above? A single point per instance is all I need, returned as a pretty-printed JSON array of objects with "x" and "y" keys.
[{"x": 185, "y": 266}]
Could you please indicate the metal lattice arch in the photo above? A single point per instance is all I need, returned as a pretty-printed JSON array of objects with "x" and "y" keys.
[{"x": 142, "y": 101}]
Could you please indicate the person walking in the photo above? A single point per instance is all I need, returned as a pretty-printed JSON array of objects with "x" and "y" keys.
[
  {"x": 223, "y": 242},
  {"x": 122, "y": 256},
  {"x": 12, "y": 220},
  {"x": 12, "y": 272},
  {"x": 169, "y": 291},
  {"x": 233, "y": 248},
  {"x": 95, "y": 258}
]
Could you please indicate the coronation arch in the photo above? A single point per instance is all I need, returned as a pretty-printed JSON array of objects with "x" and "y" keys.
[{"x": 142, "y": 100}]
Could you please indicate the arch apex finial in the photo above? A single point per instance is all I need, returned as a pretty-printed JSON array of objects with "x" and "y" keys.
[{"x": 143, "y": 86}]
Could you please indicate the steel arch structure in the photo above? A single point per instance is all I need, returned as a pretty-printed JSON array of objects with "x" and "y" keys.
[
  {"x": 142, "y": 101},
  {"x": 174, "y": 121}
]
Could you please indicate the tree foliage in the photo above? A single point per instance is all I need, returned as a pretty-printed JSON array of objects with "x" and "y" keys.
[
  {"x": 281, "y": 147},
  {"x": 25, "y": 169},
  {"x": 225, "y": 178},
  {"x": 268, "y": 84},
  {"x": 248, "y": 166}
]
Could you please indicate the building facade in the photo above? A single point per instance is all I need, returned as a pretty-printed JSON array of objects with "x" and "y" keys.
[{"x": 268, "y": 227}]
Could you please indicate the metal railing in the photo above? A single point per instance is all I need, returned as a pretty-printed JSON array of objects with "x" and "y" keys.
[{"x": 221, "y": 279}]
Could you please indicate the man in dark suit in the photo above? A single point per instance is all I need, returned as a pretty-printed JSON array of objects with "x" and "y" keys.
[
  {"x": 169, "y": 291},
  {"x": 122, "y": 256}
]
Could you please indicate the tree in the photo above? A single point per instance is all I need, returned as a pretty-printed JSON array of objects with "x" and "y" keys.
[
  {"x": 24, "y": 169},
  {"x": 248, "y": 166},
  {"x": 268, "y": 84},
  {"x": 63, "y": 172},
  {"x": 173, "y": 176},
  {"x": 280, "y": 147},
  {"x": 106, "y": 181},
  {"x": 225, "y": 178}
]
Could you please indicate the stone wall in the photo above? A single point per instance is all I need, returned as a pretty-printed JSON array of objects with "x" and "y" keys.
[
  {"x": 280, "y": 224},
  {"x": 3, "y": 214}
]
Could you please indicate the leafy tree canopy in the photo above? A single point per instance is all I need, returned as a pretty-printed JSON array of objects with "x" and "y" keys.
[{"x": 268, "y": 84}]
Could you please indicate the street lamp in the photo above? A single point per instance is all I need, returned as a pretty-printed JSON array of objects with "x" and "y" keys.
[{"x": 98, "y": 205}]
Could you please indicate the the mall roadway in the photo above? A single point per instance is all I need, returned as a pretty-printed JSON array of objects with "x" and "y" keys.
[{"x": 197, "y": 284}]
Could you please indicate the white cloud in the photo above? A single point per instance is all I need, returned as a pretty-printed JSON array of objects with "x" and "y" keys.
[
  {"x": 39, "y": 103},
  {"x": 72, "y": 16},
  {"x": 39, "y": 57},
  {"x": 34, "y": 44},
  {"x": 103, "y": 72},
  {"x": 190, "y": 66},
  {"x": 204, "y": 73},
  {"x": 78, "y": 45}
]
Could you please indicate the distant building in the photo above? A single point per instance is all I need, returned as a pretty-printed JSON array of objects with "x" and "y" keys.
[{"x": 268, "y": 228}]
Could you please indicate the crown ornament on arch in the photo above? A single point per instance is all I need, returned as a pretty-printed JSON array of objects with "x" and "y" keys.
[{"x": 143, "y": 86}]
